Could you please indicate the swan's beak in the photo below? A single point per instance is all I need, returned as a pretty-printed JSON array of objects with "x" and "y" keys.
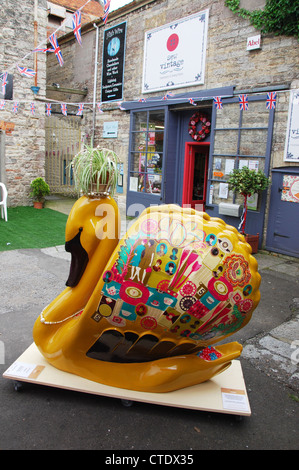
[{"x": 79, "y": 259}]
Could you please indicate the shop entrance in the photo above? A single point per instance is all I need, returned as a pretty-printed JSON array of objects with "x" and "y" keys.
[{"x": 195, "y": 175}]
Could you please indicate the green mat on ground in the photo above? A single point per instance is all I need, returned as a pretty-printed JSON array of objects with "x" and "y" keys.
[{"x": 27, "y": 227}]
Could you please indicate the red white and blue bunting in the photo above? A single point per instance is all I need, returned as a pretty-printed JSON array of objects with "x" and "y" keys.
[{"x": 76, "y": 27}]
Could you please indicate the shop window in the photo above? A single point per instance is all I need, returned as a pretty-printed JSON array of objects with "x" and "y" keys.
[
  {"x": 241, "y": 138},
  {"x": 146, "y": 154}
]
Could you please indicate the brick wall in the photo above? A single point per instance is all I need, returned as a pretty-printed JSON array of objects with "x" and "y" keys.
[{"x": 25, "y": 135}]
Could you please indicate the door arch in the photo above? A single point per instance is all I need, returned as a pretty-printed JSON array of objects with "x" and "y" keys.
[{"x": 195, "y": 174}]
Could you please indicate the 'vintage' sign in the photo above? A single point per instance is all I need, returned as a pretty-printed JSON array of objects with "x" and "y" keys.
[
  {"x": 174, "y": 54},
  {"x": 291, "y": 153}
]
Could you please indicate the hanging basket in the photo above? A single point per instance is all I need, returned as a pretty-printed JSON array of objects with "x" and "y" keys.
[{"x": 95, "y": 171}]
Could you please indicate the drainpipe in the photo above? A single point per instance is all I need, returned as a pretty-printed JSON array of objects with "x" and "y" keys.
[
  {"x": 35, "y": 41},
  {"x": 95, "y": 83}
]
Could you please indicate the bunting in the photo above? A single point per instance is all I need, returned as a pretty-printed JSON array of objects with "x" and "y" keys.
[
  {"x": 80, "y": 109},
  {"x": 191, "y": 101},
  {"x": 64, "y": 109},
  {"x": 40, "y": 49},
  {"x": 119, "y": 104},
  {"x": 271, "y": 100},
  {"x": 32, "y": 107},
  {"x": 106, "y": 10},
  {"x": 4, "y": 83},
  {"x": 99, "y": 106},
  {"x": 48, "y": 109},
  {"x": 77, "y": 26},
  {"x": 56, "y": 49},
  {"x": 243, "y": 100},
  {"x": 15, "y": 107},
  {"x": 2, "y": 104},
  {"x": 25, "y": 71},
  {"x": 168, "y": 95},
  {"x": 218, "y": 102}
]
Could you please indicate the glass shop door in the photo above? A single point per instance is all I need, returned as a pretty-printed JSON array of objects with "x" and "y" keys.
[{"x": 195, "y": 175}]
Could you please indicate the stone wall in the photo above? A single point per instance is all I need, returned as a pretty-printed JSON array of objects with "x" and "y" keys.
[{"x": 25, "y": 136}]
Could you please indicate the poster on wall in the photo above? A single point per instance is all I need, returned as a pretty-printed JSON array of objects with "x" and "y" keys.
[
  {"x": 290, "y": 188},
  {"x": 114, "y": 46},
  {"x": 174, "y": 54},
  {"x": 291, "y": 153}
]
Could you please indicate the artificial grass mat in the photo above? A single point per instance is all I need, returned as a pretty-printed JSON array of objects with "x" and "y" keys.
[{"x": 27, "y": 227}]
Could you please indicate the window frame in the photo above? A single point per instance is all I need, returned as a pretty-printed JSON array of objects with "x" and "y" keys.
[
  {"x": 238, "y": 156},
  {"x": 145, "y": 196}
]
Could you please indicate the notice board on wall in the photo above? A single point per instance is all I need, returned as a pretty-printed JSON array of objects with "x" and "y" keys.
[{"x": 113, "y": 63}]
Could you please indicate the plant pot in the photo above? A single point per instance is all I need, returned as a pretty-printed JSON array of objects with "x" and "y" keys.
[
  {"x": 102, "y": 190},
  {"x": 38, "y": 205},
  {"x": 253, "y": 241}
]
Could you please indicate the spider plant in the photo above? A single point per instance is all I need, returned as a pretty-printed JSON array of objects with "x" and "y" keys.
[{"x": 95, "y": 171}]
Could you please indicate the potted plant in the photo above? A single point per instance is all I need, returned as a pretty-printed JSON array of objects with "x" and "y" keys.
[
  {"x": 95, "y": 171},
  {"x": 248, "y": 182},
  {"x": 40, "y": 189}
]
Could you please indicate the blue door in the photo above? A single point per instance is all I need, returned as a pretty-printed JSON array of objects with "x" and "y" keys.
[{"x": 283, "y": 224}]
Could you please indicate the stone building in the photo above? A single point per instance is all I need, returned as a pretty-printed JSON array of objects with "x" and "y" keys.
[
  {"x": 24, "y": 26},
  {"x": 147, "y": 97},
  {"x": 143, "y": 75},
  {"x": 22, "y": 134}
]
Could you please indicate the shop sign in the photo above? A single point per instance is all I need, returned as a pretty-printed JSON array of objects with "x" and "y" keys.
[
  {"x": 291, "y": 153},
  {"x": 113, "y": 63},
  {"x": 254, "y": 42},
  {"x": 174, "y": 54},
  {"x": 110, "y": 129}
]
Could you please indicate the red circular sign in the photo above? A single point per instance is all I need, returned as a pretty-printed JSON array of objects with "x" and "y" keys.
[{"x": 172, "y": 42}]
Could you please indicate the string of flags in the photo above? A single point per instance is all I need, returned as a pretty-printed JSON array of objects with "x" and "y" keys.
[
  {"x": 217, "y": 100},
  {"x": 76, "y": 26}
]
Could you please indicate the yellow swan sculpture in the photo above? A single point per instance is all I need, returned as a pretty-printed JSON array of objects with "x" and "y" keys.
[{"x": 144, "y": 313}]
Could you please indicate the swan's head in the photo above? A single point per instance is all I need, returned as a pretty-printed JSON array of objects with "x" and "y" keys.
[{"x": 90, "y": 222}]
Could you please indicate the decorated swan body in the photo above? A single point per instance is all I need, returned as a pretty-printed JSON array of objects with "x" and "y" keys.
[{"x": 144, "y": 313}]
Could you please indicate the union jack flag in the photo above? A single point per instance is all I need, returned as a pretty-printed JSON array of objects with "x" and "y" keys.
[
  {"x": 48, "y": 109},
  {"x": 99, "y": 108},
  {"x": 218, "y": 102},
  {"x": 191, "y": 101},
  {"x": 15, "y": 107},
  {"x": 2, "y": 104},
  {"x": 168, "y": 95},
  {"x": 243, "y": 100},
  {"x": 77, "y": 26},
  {"x": 106, "y": 10},
  {"x": 32, "y": 107},
  {"x": 271, "y": 100},
  {"x": 64, "y": 109},
  {"x": 80, "y": 109},
  {"x": 26, "y": 71},
  {"x": 142, "y": 100},
  {"x": 4, "y": 83},
  {"x": 41, "y": 49},
  {"x": 56, "y": 48}
]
